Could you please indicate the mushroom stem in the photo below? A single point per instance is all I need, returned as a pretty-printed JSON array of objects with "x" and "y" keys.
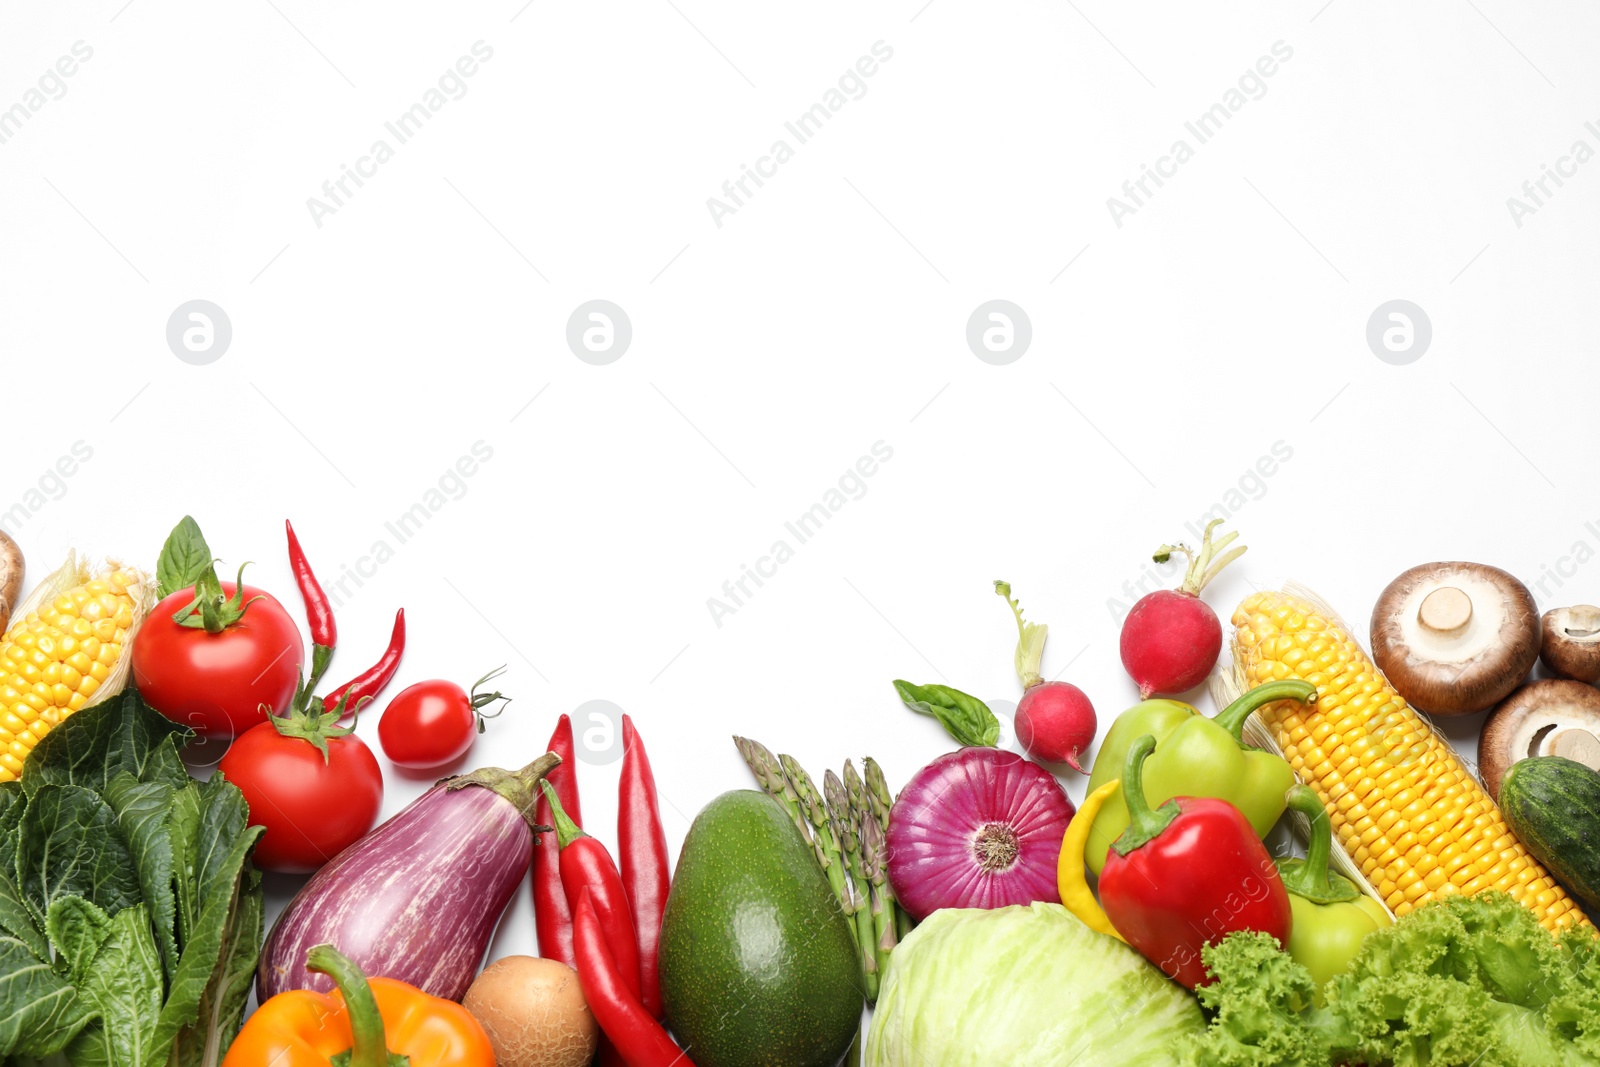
[
  {"x": 1583, "y": 620},
  {"x": 1577, "y": 745},
  {"x": 1445, "y": 610}
]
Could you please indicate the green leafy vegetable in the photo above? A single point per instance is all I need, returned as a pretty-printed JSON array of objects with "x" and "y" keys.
[
  {"x": 130, "y": 916},
  {"x": 68, "y": 845},
  {"x": 1467, "y": 980},
  {"x": 966, "y": 719},
  {"x": 1024, "y": 985},
  {"x": 184, "y": 558},
  {"x": 40, "y": 1011}
]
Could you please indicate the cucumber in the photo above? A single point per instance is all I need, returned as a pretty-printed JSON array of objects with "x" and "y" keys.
[{"x": 1553, "y": 806}]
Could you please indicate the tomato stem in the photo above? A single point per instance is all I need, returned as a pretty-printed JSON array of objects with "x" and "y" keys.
[
  {"x": 480, "y": 701},
  {"x": 313, "y": 727},
  {"x": 211, "y": 609}
]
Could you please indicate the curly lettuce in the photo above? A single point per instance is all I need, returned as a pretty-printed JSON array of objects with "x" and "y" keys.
[{"x": 1468, "y": 980}]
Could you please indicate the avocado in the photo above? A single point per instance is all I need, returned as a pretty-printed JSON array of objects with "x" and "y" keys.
[{"x": 758, "y": 963}]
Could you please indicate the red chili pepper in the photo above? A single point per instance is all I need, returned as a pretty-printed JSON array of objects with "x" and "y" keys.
[
  {"x": 586, "y": 867},
  {"x": 369, "y": 683},
  {"x": 319, "y": 613},
  {"x": 1186, "y": 875},
  {"x": 624, "y": 1020},
  {"x": 552, "y": 916},
  {"x": 642, "y": 848}
]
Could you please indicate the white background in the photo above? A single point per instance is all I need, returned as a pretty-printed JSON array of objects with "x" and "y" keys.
[{"x": 828, "y": 313}]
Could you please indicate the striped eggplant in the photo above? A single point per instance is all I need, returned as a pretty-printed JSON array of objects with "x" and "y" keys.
[{"x": 417, "y": 899}]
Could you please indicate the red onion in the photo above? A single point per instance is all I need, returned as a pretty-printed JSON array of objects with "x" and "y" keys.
[{"x": 977, "y": 828}]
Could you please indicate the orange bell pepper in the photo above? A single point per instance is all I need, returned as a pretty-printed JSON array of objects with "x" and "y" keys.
[{"x": 368, "y": 1018}]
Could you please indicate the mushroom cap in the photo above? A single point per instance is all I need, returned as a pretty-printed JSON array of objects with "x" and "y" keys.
[
  {"x": 1455, "y": 638},
  {"x": 1550, "y": 717},
  {"x": 1571, "y": 643}
]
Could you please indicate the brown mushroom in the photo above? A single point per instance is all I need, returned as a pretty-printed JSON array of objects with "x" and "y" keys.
[
  {"x": 1550, "y": 717},
  {"x": 1571, "y": 644},
  {"x": 10, "y": 578},
  {"x": 1455, "y": 638}
]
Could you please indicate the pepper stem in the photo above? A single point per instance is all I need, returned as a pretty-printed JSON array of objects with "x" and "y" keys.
[
  {"x": 1206, "y": 564},
  {"x": 1030, "y": 640},
  {"x": 519, "y": 787},
  {"x": 369, "y": 1047},
  {"x": 1144, "y": 823},
  {"x": 1310, "y": 878},
  {"x": 1232, "y": 717},
  {"x": 321, "y": 656},
  {"x": 567, "y": 831}
]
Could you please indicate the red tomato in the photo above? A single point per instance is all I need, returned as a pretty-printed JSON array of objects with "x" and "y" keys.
[
  {"x": 433, "y": 722},
  {"x": 220, "y": 684},
  {"x": 312, "y": 809}
]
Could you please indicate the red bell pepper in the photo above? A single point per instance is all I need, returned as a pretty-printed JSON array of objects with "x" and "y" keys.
[{"x": 1186, "y": 875}]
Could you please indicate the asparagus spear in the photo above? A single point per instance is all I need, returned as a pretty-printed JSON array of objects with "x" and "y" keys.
[
  {"x": 880, "y": 800},
  {"x": 769, "y": 776},
  {"x": 874, "y": 849},
  {"x": 847, "y": 831},
  {"x": 878, "y": 797},
  {"x": 827, "y": 845}
]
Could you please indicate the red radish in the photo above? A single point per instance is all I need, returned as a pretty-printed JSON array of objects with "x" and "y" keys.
[
  {"x": 1054, "y": 721},
  {"x": 1171, "y": 638}
]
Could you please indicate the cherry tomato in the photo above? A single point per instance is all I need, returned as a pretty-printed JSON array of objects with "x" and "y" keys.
[
  {"x": 432, "y": 723},
  {"x": 312, "y": 808},
  {"x": 220, "y": 684}
]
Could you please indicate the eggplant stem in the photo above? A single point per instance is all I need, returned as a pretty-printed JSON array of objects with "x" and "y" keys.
[{"x": 519, "y": 787}]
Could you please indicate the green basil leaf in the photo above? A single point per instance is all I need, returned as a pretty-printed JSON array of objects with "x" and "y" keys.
[
  {"x": 69, "y": 845},
  {"x": 184, "y": 558},
  {"x": 122, "y": 736},
  {"x": 966, "y": 719}
]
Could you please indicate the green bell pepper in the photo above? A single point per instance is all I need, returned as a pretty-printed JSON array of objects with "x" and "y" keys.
[
  {"x": 1331, "y": 916},
  {"x": 1194, "y": 757}
]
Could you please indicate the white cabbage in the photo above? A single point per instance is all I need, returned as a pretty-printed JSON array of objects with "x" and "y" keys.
[{"x": 1024, "y": 986}]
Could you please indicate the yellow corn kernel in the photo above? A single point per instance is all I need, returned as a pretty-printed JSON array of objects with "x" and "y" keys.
[
  {"x": 54, "y": 659},
  {"x": 1415, "y": 822}
]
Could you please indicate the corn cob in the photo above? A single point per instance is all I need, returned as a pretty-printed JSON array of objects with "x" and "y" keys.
[
  {"x": 1409, "y": 814},
  {"x": 67, "y": 649}
]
